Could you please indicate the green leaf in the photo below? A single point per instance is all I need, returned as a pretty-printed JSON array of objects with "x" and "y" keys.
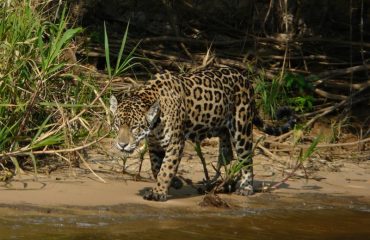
[
  {"x": 120, "y": 53},
  {"x": 106, "y": 49},
  {"x": 311, "y": 149},
  {"x": 40, "y": 129},
  {"x": 51, "y": 140}
]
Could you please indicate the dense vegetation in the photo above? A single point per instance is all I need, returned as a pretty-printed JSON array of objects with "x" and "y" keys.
[{"x": 46, "y": 106}]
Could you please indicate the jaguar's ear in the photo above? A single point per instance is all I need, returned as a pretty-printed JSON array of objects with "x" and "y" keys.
[
  {"x": 113, "y": 104},
  {"x": 153, "y": 113}
]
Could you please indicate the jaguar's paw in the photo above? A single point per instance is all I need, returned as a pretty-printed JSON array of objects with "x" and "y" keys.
[
  {"x": 153, "y": 196},
  {"x": 245, "y": 191}
]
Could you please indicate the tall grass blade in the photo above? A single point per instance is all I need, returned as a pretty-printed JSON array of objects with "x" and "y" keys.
[
  {"x": 123, "y": 63},
  {"x": 311, "y": 149},
  {"x": 106, "y": 49},
  {"x": 40, "y": 129},
  {"x": 34, "y": 162},
  {"x": 120, "y": 53},
  {"x": 18, "y": 169}
]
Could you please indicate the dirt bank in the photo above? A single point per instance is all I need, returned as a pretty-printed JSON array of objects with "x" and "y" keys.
[{"x": 79, "y": 187}]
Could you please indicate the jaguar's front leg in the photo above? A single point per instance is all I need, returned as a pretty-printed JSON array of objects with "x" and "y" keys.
[
  {"x": 156, "y": 155},
  {"x": 167, "y": 173}
]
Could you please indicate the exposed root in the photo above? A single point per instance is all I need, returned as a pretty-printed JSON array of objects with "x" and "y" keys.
[{"x": 213, "y": 200}]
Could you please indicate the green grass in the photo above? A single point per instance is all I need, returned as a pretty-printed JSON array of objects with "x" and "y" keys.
[
  {"x": 44, "y": 104},
  {"x": 31, "y": 50},
  {"x": 291, "y": 90},
  {"x": 272, "y": 94},
  {"x": 123, "y": 63}
]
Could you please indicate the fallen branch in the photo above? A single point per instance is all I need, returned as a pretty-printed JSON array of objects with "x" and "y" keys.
[
  {"x": 328, "y": 110},
  {"x": 27, "y": 151},
  {"x": 268, "y": 152},
  {"x": 337, "y": 72},
  {"x": 314, "y": 113},
  {"x": 192, "y": 41},
  {"x": 91, "y": 170},
  {"x": 323, "y": 112},
  {"x": 329, "y": 95},
  {"x": 304, "y": 146},
  {"x": 340, "y": 84},
  {"x": 276, "y": 185}
]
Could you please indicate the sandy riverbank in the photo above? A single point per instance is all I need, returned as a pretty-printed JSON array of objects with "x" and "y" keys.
[{"x": 78, "y": 187}]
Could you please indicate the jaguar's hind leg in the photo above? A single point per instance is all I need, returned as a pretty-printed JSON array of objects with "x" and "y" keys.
[
  {"x": 243, "y": 139},
  {"x": 225, "y": 154},
  {"x": 225, "y": 149}
]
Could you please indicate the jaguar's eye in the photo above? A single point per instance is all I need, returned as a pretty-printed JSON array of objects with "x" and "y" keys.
[
  {"x": 134, "y": 130},
  {"x": 116, "y": 125}
]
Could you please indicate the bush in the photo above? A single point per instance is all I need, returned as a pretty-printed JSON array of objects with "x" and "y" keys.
[{"x": 43, "y": 105}]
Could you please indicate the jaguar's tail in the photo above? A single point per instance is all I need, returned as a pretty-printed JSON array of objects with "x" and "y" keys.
[{"x": 282, "y": 113}]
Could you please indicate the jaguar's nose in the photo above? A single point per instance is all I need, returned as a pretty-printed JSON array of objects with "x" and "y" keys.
[{"x": 121, "y": 146}]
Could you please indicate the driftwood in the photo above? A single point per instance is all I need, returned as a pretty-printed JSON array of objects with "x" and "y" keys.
[{"x": 288, "y": 147}]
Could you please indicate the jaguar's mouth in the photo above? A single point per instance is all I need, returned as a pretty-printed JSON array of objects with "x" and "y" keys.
[{"x": 125, "y": 147}]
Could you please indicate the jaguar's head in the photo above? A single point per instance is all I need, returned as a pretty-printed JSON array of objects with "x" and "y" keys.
[{"x": 133, "y": 120}]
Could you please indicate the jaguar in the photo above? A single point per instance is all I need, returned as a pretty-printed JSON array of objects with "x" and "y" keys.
[{"x": 172, "y": 108}]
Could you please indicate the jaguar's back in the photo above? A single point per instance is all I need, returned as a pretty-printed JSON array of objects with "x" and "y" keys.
[{"x": 209, "y": 97}]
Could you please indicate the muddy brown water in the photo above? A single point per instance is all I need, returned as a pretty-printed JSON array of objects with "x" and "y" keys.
[{"x": 263, "y": 219}]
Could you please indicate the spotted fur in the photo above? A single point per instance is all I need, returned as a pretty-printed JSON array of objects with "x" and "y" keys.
[{"x": 169, "y": 109}]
